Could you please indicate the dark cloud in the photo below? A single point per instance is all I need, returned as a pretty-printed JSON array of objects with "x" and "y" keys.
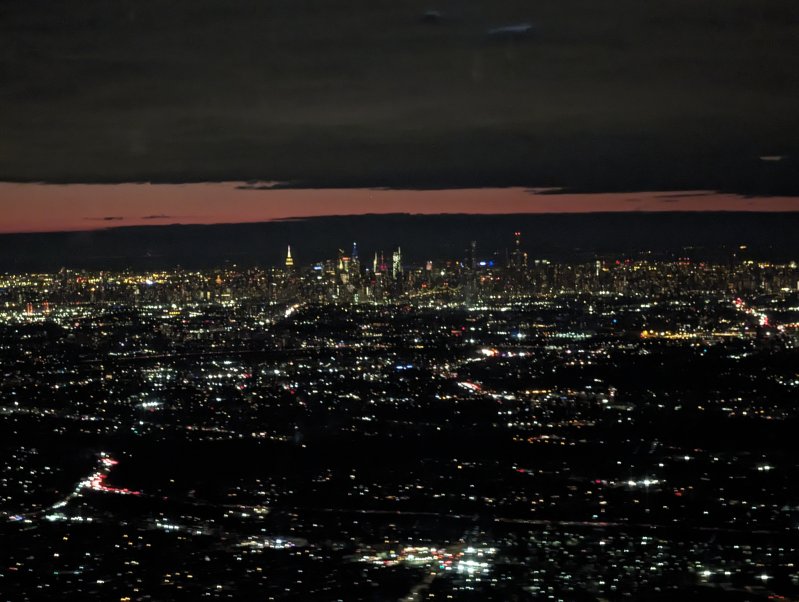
[
  {"x": 553, "y": 190},
  {"x": 264, "y": 185},
  {"x": 684, "y": 195},
  {"x": 619, "y": 95},
  {"x": 108, "y": 218}
]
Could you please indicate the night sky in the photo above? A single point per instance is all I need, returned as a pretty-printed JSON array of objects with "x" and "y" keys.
[{"x": 600, "y": 97}]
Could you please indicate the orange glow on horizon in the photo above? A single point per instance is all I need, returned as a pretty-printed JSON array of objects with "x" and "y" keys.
[{"x": 76, "y": 207}]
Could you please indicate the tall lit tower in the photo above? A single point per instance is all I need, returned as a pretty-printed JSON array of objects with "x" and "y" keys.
[
  {"x": 471, "y": 255},
  {"x": 355, "y": 262},
  {"x": 289, "y": 259},
  {"x": 396, "y": 263},
  {"x": 518, "y": 259}
]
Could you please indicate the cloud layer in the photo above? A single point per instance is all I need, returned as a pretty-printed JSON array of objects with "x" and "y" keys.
[{"x": 619, "y": 95}]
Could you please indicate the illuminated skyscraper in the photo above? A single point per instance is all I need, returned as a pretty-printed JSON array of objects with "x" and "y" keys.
[
  {"x": 518, "y": 258},
  {"x": 396, "y": 264},
  {"x": 289, "y": 258},
  {"x": 471, "y": 255},
  {"x": 355, "y": 262}
]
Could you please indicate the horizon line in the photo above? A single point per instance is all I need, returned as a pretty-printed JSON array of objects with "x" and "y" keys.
[
  {"x": 48, "y": 208},
  {"x": 304, "y": 218}
]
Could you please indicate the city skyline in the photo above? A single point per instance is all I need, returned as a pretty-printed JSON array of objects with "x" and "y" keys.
[{"x": 554, "y": 236}]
